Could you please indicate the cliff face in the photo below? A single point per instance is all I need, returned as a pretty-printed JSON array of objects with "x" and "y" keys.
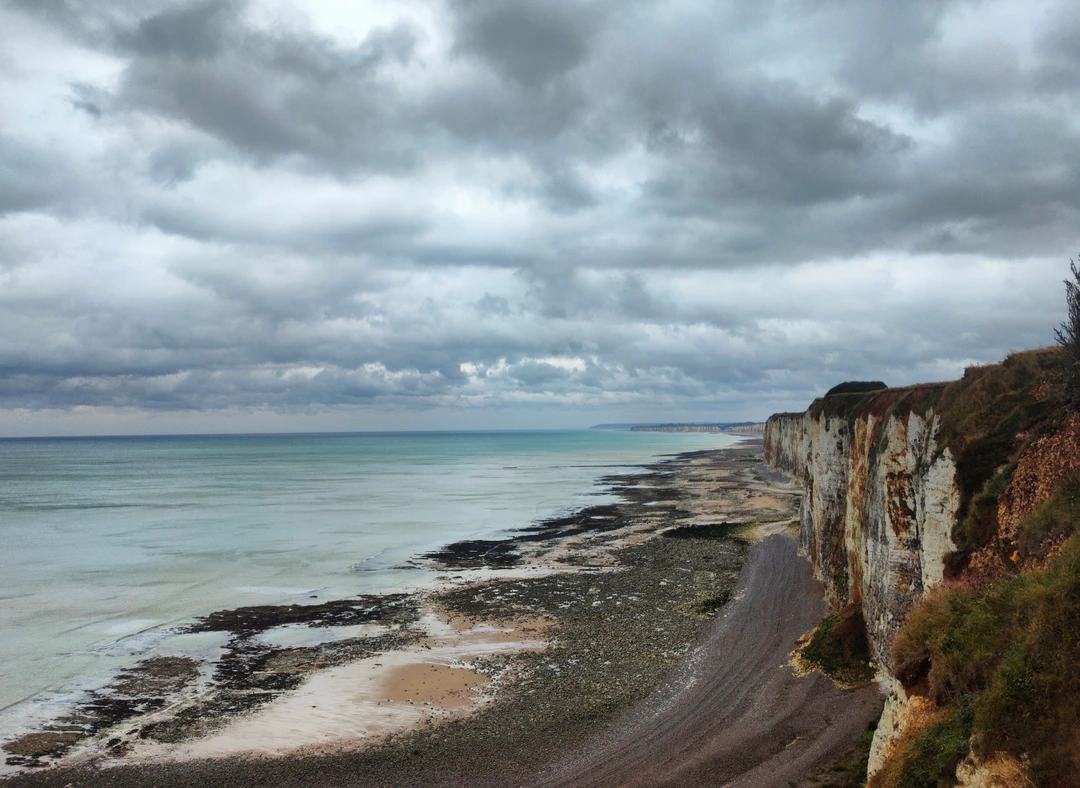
[
  {"x": 881, "y": 499},
  {"x": 972, "y": 486},
  {"x": 906, "y": 486}
]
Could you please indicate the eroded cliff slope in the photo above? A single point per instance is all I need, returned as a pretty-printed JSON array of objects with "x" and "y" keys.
[
  {"x": 881, "y": 498},
  {"x": 932, "y": 485},
  {"x": 896, "y": 479}
]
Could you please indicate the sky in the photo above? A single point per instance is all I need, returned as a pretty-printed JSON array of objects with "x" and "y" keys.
[{"x": 272, "y": 215}]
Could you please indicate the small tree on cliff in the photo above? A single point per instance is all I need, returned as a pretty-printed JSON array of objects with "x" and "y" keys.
[{"x": 1068, "y": 338}]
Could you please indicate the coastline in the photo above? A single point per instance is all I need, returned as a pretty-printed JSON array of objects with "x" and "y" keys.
[
  {"x": 531, "y": 626},
  {"x": 111, "y": 545}
]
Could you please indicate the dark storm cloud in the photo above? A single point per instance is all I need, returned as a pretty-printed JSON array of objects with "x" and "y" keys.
[
  {"x": 218, "y": 204},
  {"x": 194, "y": 32},
  {"x": 768, "y": 145},
  {"x": 530, "y": 42},
  {"x": 171, "y": 165},
  {"x": 267, "y": 95},
  {"x": 1061, "y": 62}
]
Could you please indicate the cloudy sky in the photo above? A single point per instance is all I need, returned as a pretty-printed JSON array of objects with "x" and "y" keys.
[{"x": 412, "y": 214}]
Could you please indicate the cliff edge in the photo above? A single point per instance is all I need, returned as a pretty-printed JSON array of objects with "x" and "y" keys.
[{"x": 934, "y": 485}]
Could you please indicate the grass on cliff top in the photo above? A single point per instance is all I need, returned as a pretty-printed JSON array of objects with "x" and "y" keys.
[
  {"x": 986, "y": 418},
  {"x": 1006, "y": 659},
  {"x": 856, "y": 387},
  {"x": 839, "y": 647},
  {"x": 974, "y": 406}
]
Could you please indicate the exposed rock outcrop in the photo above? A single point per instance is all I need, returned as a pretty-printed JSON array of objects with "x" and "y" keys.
[
  {"x": 881, "y": 499},
  {"x": 1039, "y": 473},
  {"x": 906, "y": 486},
  {"x": 877, "y": 517}
]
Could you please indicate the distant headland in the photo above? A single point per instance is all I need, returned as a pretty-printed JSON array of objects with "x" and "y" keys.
[{"x": 740, "y": 427}]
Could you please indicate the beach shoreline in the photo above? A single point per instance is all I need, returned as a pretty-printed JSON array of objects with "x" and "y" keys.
[{"x": 456, "y": 654}]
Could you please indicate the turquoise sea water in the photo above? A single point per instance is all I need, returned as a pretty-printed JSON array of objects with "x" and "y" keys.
[{"x": 106, "y": 543}]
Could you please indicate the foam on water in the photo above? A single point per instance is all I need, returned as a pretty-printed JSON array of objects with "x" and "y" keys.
[{"x": 289, "y": 635}]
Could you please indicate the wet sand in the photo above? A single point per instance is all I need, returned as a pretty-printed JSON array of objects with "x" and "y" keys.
[
  {"x": 348, "y": 706},
  {"x": 734, "y": 712}
]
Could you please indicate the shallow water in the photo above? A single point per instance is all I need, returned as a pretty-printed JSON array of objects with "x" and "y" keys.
[{"x": 109, "y": 542}]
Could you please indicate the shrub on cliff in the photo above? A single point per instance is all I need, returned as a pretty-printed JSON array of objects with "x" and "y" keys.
[
  {"x": 1003, "y": 665},
  {"x": 1068, "y": 339},
  {"x": 929, "y": 759},
  {"x": 856, "y": 387},
  {"x": 1055, "y": 521},
  {"x": 985, "y": 419},
  {"x": 840, "y": 649}
]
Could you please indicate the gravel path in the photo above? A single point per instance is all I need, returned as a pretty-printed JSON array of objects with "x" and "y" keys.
[{"x": 735, "y": 714}]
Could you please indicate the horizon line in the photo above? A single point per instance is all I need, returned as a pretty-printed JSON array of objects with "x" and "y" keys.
[{"x": 598, "y": 427}]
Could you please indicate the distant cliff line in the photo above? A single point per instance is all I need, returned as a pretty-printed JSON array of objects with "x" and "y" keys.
[{"x": 739, "y": 428}]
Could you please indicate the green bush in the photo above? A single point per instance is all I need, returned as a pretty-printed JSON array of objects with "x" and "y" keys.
[
  {"x": 856, "y": 387},
  {"x": 980, "y": 526},
  {"x": 1032, "y": 704},
  {"x": 948, "y": 644},
  {"x": 840, "y": 649},
  {"x": 930, "y": 757},
  {"x": 1007, "y": 660}
]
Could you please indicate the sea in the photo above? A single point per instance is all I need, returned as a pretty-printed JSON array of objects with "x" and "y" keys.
[{"x": 108, "y": 546}]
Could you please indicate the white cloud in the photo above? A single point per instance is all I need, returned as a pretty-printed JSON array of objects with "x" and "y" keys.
[{"x": 272, "y": 215}]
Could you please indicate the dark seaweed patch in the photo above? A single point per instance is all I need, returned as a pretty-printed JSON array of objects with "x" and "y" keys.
[
  {"x": 137, "y": 690},
  {"x": 338, "y": 612},
  {"x": 476, "y": 553},
  {"x": 704, "y": 531},
  {"x": 499, "y": 553},
  {"x": 252, "y": 674}
]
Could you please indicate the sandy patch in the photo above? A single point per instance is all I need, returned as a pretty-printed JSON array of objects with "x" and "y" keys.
[
  {"x": 443, "y": 686},
  {"x": 758, "y": 502},
  {"x": 348, "y": 706}
]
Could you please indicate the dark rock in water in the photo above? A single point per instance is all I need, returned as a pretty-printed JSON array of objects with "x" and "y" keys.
[
  {"x": 654, "y": 487},
  {"x": 156, "y": 676},
  {"x": 476, "y": 553},
  {"x": 337, "y": 612},
  {"x": 502, "y": 553},
  {"x": 252, "y": 673},
  {"x": 137, "y": 690},
  {"x": 249, "y": 674},
  {"x": 38, "y": 745},
  {"x": 592, "y": 519}
]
